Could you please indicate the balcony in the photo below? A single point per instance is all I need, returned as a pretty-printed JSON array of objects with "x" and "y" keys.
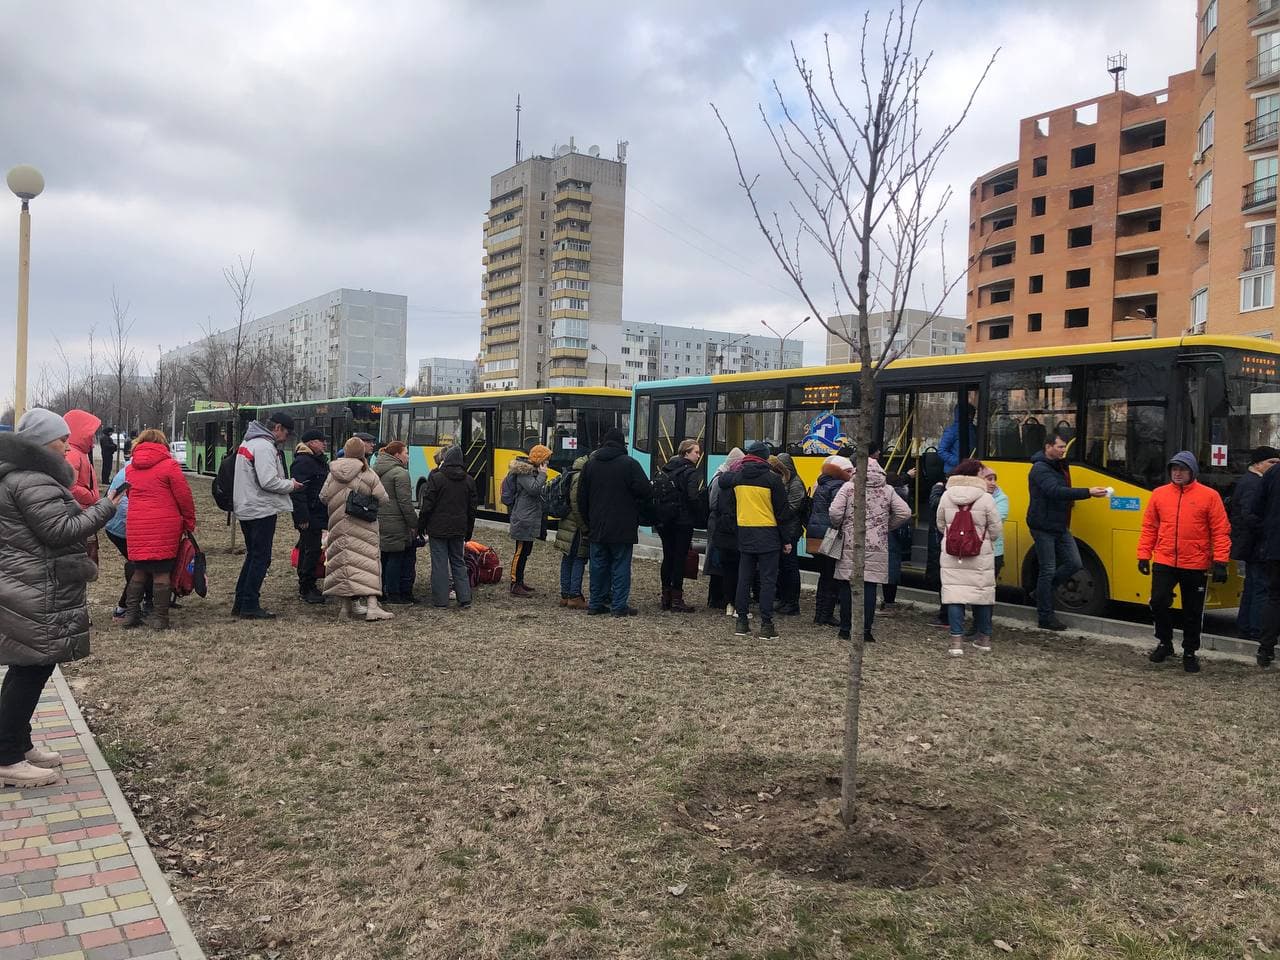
[
  {"x": 1263, "y": 12},
  {"x": 1259, "y": 256},
  {"x": 497, "y": 226},
  {"x": 568, "y": 369},
  {"x": 582, "y": 196},
  {"x": 498, "y": 209},
  {"x": 1259, "y": 195},
  {"x": 563, "y": 233},
  {"x": 569, "y": 213},
  {"x": 1262, "y": 131},
  {"x": 1264, "y": 68},
  {"x": 501, "y": 283},
  {"x": 570, "y": 255},
  {"x": 1139, "y": 201},
  {"x": 500, "y": 336},
  {"x": 512, "y": 243},
  {"x": 1136, "y": 287},
  {"x": 568, "y": 353},
  {"x": 558, "y": 273},
  {"x": 506, "y": 300}
]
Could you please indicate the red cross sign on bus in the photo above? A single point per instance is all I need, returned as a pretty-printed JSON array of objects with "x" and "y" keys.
[{"x": 1218, "y": 454}]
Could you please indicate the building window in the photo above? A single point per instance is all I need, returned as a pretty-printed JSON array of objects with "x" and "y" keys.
[
  {"x": 1035, "y": 283},
  {"x": 1080, "y": 237},
  {"x": 1037, "y": 243},
  {"x": 1083, "y": 156},
  {"x": 1153, "y": 225},
  {"x": 1204, "y": 135},
  {"x": 1002, "y": 259},
  {"x": 1204, "y": 191},
  {"x": 1080, "y": 197},
  {"x": 1038, "y": 206},
  {"x": 1077, "y": 278},
  {"x": 1258, "y": 291},
  {"x": 1209, "y": 21},
  {"x": 998, "y": 331},
  {"x": 1199, "y": 309},
  {"x": 1079, "y": 317},
  {"x": 1039, "y": 166},
  {"x": 1034, "y": 322},
  {"x": 1261, "y": 252}
]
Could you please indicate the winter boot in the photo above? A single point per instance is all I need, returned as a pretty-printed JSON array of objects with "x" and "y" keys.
[
  {"x": 375, "y": 612},
  {"x": 133, "y": 605},
  {"x": 25, "y": 774},
  {"x": 824, "y": 609},
  {"x": 160, "y": 617},
  {"x": 38, "y": 756},
  {"x": 768, "y": 631},
  {"x": 576, "y": 603},
  {"x": 981, "y": 642},
  {"x": 1162, "y": 652},
  {"x": 677, "y": 602},
  {"x": 344, "y": 608},
  {"x": 743, "y": 628},
  {"x": 1190, "y": 663},
  {"x": 666, "y": 598}
]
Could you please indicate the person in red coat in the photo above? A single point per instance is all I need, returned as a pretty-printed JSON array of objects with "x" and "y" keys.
[
  {"x": 1185, "y": 534},
  {"x": 161, "y": 510}
]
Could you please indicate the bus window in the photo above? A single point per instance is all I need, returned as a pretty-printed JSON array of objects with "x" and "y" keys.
[
  {"x": 423, "y": 431},
  {"x": 1126, "y": 408},
  {"x": 1026, "y": 407},
  {"x": 747, "y": 415},
  {"x": 1206, "y": 415},
  {"x": 641, "y": 439},
  {"x": 509, "y": 426},
  {"x": 1254, "y": 394},
  {"x": 532, "y": 434},
  {"x": 820, "y": 417}
]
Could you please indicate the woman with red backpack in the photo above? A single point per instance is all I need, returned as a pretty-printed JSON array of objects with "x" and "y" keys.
[{"x": 969, "y": 521}]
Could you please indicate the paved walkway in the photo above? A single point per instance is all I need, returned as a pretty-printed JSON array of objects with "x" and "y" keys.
[{"x": 77, "y": 879}]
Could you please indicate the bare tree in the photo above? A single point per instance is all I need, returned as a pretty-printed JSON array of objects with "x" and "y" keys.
[
  {"x": 121, "y": 359},
  {"x": 861, "y": 171},
  {"x": 239, "y": 279},
  {"x": 91, "y": 370},
  {"x": 66, "y": 386}
]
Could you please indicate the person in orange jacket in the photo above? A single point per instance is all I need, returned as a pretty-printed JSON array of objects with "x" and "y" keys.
[{"x": 1185, "y": 531}]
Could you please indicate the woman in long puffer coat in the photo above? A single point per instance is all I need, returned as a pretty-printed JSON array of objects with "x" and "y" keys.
[
  {"x": 43, "y": 572},
  {"x": 885, "y": 511},
  {"x": 522, "y": 494},
  {"x": 969, "y": 580},
  {"x": 835, "y": 471},
  {"x": 161, "y": 510},
  {"x": 353, "y": 555}
]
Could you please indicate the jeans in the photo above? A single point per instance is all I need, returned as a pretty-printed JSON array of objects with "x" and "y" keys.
[
  {"x": 309, "y": 558},
  {"x": 611, "y": 573},
  {"x": 981, "y": 618},
  {"x": 1059, "y": 560},
  {"x": 449, "y": 562},
  {"x": 1191, "y": 584},
  {"x": 749, "y": 565},
  {"x": 676, "y": 542},
  {"x": 1252, "y": 601},
  {"x": 259, "y": 535},
  {"x": 399, "y": 571},
  {"x": 789, "y": 575},
  {"x": 845, "y": 593},
  {"x": 572, "y": 566},
  {"x": 519, "y": 559},
  {"x": 19, "y": 696}
]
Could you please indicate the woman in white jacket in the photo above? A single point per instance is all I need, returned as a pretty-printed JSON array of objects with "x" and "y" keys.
[{"x": 969, "y": 579}]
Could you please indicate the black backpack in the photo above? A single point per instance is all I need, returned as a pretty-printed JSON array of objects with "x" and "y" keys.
[
  {"x": 560, "y": 495},
  {"x": 667, "y": 500},
  {"x": 224, "y": 484}
]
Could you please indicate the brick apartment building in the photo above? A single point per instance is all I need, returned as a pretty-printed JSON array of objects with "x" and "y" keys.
[{"x": 1133, "y": 216}]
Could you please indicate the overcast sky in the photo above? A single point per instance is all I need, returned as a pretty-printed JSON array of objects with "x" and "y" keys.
[{"x": 351, "y": 144}]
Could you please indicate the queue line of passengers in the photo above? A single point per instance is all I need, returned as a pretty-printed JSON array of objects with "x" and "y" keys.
[{"x": 754, "y": 507}]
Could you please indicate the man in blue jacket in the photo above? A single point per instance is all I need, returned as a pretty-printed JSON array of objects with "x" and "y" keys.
[{"x": 1049, "y": 520}]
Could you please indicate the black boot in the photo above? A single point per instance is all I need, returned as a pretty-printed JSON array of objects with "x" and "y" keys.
[
  {"x": 1162, "y": 652},
  {"x": 133, "y": 605},
  {"x": 666, "y": 598}
]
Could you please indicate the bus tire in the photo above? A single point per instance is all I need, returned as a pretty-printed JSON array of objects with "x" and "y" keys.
[{"x": 1087, "y": 593}]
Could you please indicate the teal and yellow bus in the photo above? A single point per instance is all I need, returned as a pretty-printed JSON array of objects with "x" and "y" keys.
[
  {"x": 1124, "y": 408},
  {"x": 494, "y": 427}
]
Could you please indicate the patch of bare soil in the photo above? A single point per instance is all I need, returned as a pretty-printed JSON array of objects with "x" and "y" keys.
[{"x": 785, "y": 813}]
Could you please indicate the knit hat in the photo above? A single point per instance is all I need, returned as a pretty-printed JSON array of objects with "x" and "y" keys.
[
  {"x": 540, "y": 454},
  {"x": 354, "y": 448},
  {"x": 844, "y": 463},
  {"x": 313, "y": 434},
  {"x": 1261, "y": 454},
  {"x": 614, "y": 435},
  {"x": 757, "y": 448},
  {"x": 41, "y": 426}
]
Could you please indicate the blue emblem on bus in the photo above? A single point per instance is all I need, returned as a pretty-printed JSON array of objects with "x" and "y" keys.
[
  {"x": 1126, "y": 503},
  {"x": 824, "y": 436}
]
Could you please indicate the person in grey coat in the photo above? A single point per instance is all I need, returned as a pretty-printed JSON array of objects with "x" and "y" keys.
[
  {"x": 43, "y": 572},
  {"x": 397, "y": 525},
  {"x": 262, "y": 491},
  {"x": 522, "y": 494}
]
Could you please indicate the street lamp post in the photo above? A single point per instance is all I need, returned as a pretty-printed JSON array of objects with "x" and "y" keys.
[
  {"x": 606, "y": 363},
  {"x": 782, "y": 338},
  {"x": 368, "y": 385},
  {"x": 26, "y": 183},
  {"x": 723, "y": 348}
]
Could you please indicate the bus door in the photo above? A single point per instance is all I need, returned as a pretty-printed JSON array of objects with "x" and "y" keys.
[
  {"x": 928, "y": 431},
  {"x": 211, "y": 437},
  {"x": 676, "y": 419},
  {"x": 477, "y": 452}
]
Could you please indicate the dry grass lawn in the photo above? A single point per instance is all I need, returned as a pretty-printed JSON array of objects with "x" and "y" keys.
[{"x": 524, "y": 781}]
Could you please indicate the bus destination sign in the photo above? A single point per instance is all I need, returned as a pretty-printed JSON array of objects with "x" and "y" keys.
[
  {"x": 820, "y": 395},
  {"x": 1257, "y": 366}
]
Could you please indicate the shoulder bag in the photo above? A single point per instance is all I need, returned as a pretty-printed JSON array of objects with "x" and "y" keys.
[{"x": 362, "y": 506}]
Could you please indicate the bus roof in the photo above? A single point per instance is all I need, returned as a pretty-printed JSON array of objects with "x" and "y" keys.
[
  {"x": 1034, "y": 353},
  {"x": 302, "y": 403},
  {"x": 501, "y": 394}
]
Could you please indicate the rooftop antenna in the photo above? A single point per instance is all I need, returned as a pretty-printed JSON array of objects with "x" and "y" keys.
[
  {"x": 517, "y": 128},
  {"x": 1116, "y": 66}
]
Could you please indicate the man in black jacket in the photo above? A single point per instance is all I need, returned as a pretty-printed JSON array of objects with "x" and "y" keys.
[
  {"x": 448, "y": 518},
  {"x": 310, "y": 515},
  {"x": 108, "y": 445},
  {"x": 677, "y": 492},
  {"x": 612, "y": 492},
  {"x": 1049, "y": 520},
  {"x": 1246, "y": 549},
  {"x": 753, "y": 501}
]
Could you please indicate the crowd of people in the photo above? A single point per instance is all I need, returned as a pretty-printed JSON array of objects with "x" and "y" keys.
[{"x": 359, "y": 529}]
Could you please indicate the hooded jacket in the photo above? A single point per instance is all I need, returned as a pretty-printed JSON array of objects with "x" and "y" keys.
[
  {"x": 753, "y": 504},
  {"x": 612, "y": 494},
  {"x": 969, "y": 579},
  {"x": 570, "y": 526},
  {"x": 824, "y": 491},
  {"x": 796, "y": 497},
  {"x": 161, "y": 508},
  {"x": 397, "y": 518},
  {"x": 262, "y": 486},
  {"x": 353, "y": 556},
  {"x": 1245, "y": 543},
  {"x": 450, "y": 499},
  {"x": 715, "y": 542},
  {"x": 311, "y": 470},
  {"x": 522, "y": 493},
  {"x": 1185, "y": 525},
  {"x": 885, "y": 511},
  {"x": 684, "y": 477},
  {"x": 1051, "y": 496},
  {"x": 43, "y": 564},
  {"x": 84, "y": 429}
]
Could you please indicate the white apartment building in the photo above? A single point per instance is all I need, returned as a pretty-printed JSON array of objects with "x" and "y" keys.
[
  {"x": 654, "y": 351},
  {"x": 944, "y": 336},
  {"x": 348, "y": 342},
  {"x": 438, "y": 375}
]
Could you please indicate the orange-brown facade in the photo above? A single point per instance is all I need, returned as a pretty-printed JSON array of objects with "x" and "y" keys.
[{"x": 1136, "y": 216}]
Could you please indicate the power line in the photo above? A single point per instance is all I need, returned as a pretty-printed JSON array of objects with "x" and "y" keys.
[{"x": 680, "y": 219}]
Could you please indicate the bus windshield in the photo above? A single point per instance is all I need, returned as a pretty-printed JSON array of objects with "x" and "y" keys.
[{"x": 1230, "y": 404}]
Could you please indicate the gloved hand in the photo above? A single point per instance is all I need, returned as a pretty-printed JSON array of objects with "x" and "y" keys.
[
  {"x": 1144, "y": 567},
  {"x": 1219, "y": 573}
]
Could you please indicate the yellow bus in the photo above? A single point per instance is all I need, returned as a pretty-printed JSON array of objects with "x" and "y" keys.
[
  {"x": 1123, "y": 407},
  {"x": 494, "y": 427}
]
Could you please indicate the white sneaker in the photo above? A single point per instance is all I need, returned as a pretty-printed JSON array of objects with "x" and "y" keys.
[
  {"x": 359, "y": 608},
  {"x": 729, "y": 611},
  {"x": 957, "y": 646},
  {"x": 23, "y": 774},
  {"x": 38, "y": 756}
]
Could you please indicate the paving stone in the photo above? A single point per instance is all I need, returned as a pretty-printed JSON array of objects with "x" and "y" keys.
[
  {"x": 38, "y": 889},
  {"x": 134, "y": 915},
  {"x": 57, "y": 945},
  {"x": 61, "y": 914},
  {"x": 140, "y": 948},
  {"x": 126, "y": 887},
  {"x": 86, "y": 924},
  {"x": 113, "y": 951}
]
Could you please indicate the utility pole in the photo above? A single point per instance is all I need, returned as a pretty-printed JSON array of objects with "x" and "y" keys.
[{"x": 782, "y": 338}]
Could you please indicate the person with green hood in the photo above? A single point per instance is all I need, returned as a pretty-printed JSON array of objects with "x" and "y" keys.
[{"x": 572, "y": 540}]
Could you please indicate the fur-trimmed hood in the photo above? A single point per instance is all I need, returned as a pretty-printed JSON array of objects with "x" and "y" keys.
[
  {"x": 18, "y": 453},
  {"x": 523, "y": 467}
]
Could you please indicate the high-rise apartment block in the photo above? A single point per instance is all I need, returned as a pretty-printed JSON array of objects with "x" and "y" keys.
[
  {"x": 656, "y": 351},
  {"x": 552, "y": 284},
  {"x": 438, "y": 375},
  {"x": 1135, "y": 216},
  {"x": 916, "y": 336}
]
